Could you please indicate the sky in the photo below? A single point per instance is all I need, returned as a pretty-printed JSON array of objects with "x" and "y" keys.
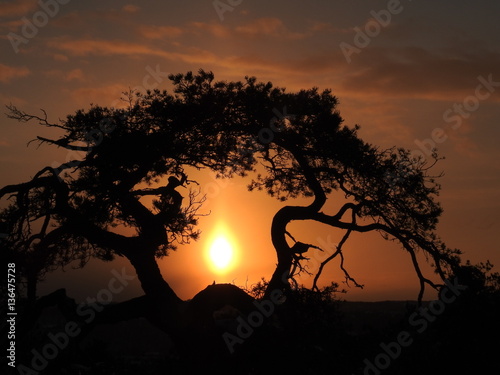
[{"x": 415, "y": 74}]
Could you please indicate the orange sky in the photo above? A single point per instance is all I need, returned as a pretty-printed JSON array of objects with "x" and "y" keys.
[{"x": 417, "y": 73}]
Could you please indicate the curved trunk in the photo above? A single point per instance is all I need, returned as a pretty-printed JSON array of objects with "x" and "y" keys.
[{"x": 279, "y": 279}]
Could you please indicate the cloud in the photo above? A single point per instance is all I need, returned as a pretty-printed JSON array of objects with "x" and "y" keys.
[
  {"x": 92, "y": 20},
  {"x": 17, "y": 8},
  {"x": 59, "y": 57},
  {"x": 106, "y": 95},
  {"x": 129, "y": 8},
  {"x": 418, "y": 73},
  {"x": 74, "y": 75},
  {"x": 463, "y": 141},
  {"x": 86, "y": 47},
  {"x": 160, "y": 32},
  {"x": 216, "y": 29},
  {"x": 8, "y": 73},
  {"x": 268, "y": 27},
  {"x": 10, "y": 99},
  {"x": 260, "y": 27},
  {"x": 327, "y": 27}
]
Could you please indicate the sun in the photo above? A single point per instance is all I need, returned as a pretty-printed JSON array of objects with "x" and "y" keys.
[{"x": 221, "y": 252}]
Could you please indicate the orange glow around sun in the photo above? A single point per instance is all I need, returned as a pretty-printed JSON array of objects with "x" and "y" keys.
[{"x": 221, "y": 253}]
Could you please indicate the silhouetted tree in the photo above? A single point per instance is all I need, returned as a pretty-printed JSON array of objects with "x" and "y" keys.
[
  {"x": 311, "y": 154},
  {"x": 71, "y": 212}
]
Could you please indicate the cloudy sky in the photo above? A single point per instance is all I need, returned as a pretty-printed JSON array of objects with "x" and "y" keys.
[{"x": 415, "y": 74}]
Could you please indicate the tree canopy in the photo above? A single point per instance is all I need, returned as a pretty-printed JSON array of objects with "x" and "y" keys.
[{"x": 229, "y": 128}]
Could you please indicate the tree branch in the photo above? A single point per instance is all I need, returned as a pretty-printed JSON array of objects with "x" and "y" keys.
[
  {"x": 16, "y": 114},
  {"x": 64, "y": 142},
  {"x": 338, "y": 252}
]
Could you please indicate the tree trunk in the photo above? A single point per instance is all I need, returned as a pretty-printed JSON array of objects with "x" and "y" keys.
[
  {"x": 149, "y": 274},
  {"x": 162, "y": 305},
  {"x": 279, "y": 280}
]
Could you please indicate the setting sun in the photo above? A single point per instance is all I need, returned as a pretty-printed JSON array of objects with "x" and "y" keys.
[{"x": 221, "y": 253}]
